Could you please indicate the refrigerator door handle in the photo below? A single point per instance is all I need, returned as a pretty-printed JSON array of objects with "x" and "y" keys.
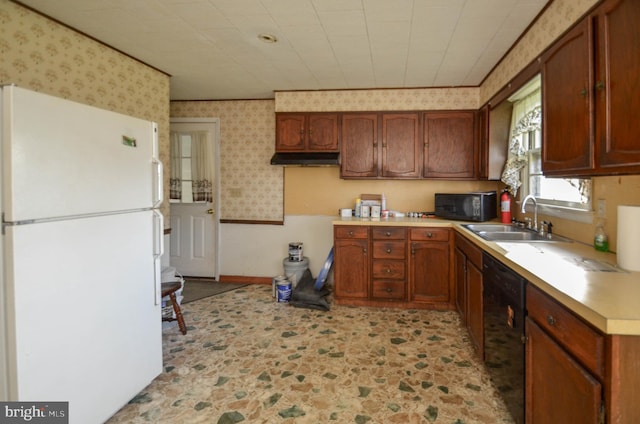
[
  {"x": 158, "y": 250},
  {"x": 158, "y": 193}
]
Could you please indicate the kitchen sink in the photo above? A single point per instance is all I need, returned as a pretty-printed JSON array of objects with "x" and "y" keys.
[{"x": 511, "y": 233}]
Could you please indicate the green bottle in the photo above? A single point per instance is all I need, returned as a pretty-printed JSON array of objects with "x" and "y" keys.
[{"x": 600, "y": 239}]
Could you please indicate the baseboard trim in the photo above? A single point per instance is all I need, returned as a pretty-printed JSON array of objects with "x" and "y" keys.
[{"x": 244, "y": 279}]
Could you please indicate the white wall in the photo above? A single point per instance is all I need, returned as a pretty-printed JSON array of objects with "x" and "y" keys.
[{"x": 258, "y": 250}]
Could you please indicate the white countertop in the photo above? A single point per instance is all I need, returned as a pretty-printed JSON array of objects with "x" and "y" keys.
[{"x": 610, "y": 301}]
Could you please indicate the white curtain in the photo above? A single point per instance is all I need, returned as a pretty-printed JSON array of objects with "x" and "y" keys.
[
  {"x": 175, "y": 178},
  {"x": 201, "y": 166},
  {"x": 525, "y": 117}
]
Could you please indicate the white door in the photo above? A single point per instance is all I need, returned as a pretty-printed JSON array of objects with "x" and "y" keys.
[{"x": 195, "y": 225}]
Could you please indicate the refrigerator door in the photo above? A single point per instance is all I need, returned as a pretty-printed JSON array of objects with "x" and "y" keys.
[
  {"x": 62, "y": 158},
  {"x": 82, "y": 322}
]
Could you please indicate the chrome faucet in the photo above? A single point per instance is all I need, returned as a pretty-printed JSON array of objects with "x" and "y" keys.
[{"x": 535, "y": 209}]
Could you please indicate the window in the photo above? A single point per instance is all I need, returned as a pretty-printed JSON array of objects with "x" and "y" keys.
[
  {"x": 523, "y": 170},
  {"x": 191, "y": 167}
]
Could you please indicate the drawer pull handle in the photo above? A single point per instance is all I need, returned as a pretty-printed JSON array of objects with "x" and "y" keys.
[
  {"x": 429, "y": 235},
  {"x": 388, "y": 270},
  {"x": 389, "y": 290},
  {"x": 388, "y": 234},
  {"x": 388, "y": 250},
  {"x": 350, "y": 233},
  {"x": 551, "y": 320},
  {"x": 364, "y": 250}
]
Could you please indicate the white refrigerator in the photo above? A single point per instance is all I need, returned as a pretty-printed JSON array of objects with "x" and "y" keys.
[{"x": 81, "y": 246}]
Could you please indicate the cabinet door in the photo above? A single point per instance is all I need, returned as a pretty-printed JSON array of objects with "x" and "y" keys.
[
  {"x": 449, "y": 145},
  {"x": 475, "y": 320},
  {"x": 323, "y": 132},
  {"x": 461, "y": 290},
  {"x": 359, "y": 148},
  {"x": 566, "y": 104},
  {"x": 400, "y": 145},
  {"x": 290, "y": 132},
  {"x": 351, "y": 268},
  {"x": 558, "y": 389},
  {"x": 429, "y": 273},
  {"x": 482, "y": 123},
  {"x": 616, "y": 88}
]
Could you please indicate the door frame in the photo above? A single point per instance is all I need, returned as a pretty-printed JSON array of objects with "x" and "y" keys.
[{"x": 214, "y": 127}]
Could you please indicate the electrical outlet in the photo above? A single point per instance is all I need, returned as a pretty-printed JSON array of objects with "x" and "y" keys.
[{"x": 602, "y": 208}]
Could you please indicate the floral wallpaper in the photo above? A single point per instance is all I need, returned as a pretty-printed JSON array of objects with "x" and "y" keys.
[
  {"x": 42, "y": 55},
  {"x": 369, "y": 100},
  {"x": 251, "y": 188}
]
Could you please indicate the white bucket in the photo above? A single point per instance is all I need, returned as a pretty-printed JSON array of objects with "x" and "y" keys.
[{"x": 295, "y": 269}]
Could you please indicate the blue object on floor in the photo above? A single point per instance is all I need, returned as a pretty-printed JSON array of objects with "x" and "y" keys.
[{"x": 324, "y": 272}]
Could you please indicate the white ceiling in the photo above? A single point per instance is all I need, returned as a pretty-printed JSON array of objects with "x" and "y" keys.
[{"x": 211, "y": 48}]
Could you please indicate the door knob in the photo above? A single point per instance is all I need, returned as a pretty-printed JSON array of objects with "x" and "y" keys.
[{"x": 210, "y": 211}]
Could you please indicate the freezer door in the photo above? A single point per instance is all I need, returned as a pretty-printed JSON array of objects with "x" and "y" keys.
[
  {"x": 83, "y": 322},
  {"x": 62, "y": 158}
]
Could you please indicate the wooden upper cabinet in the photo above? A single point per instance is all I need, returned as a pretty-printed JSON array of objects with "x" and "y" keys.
[
  {"x": 482, "y": 123},
  {"x": 617, "y": 98},
  {"x": 590, "y": 95},
  {"x": 359, "y": 149},
  {"x": 307, "y": 132},
  {"x": 449, "y": 145},
  {"x": 567, "y": 102},
  {"x": 400, "y": 145}
]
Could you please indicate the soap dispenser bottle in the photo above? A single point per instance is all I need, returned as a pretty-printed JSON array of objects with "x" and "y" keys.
[{"x": 600, "y": 239}]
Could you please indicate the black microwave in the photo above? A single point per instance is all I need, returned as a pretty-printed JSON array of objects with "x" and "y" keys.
[{"x": 476, "y": 206}]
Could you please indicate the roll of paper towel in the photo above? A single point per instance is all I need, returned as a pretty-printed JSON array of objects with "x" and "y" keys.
[{"x": 628, "y": 250}]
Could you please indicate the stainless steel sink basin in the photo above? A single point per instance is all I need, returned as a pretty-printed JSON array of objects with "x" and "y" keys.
[
  {"x": 502, "y": 228},
  {"x": 511, "y": 233}
]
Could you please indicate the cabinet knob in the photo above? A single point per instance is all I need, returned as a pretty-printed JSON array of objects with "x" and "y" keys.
[
  {"x": 388, "y": 250},
  {"x": 350, "y": 233},
  {"x": 389, "y": 290},
  {"x": 584, "y": 92},
  {"x": 364, "y": 250},
  {"x": 429, "y": 235},
  {"x": 388, "y": 234},
  {"x": 600, "y": 85},
  {"x": 551, "y": 320},
  {"x": 388, "y": 270}
]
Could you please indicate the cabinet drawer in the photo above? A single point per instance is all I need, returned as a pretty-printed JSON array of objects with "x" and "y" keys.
[
  {"x": 389, "y": 250},
  {"x": 430, "y": 234},
  {"x": 392, "y": 290},
  {"x": 391, "y": 233},
  {"x": 578, "y": 338},
  {"x": 351, "y": 232},
  {"x": 394, "y": 270}
]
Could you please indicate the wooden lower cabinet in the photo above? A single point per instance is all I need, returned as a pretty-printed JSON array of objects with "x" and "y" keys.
[
  {"x": 430, "y": 279},
  {"x": 408, "y": 267},
  {"x": 574, "y": 373},
  {"x": 351, "y": 262},
  {"x": 469, "y": 286},
  {"x": 558, "y": 388}
]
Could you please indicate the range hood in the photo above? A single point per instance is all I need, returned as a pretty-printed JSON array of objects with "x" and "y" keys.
[{"x": 306, "y": 158}]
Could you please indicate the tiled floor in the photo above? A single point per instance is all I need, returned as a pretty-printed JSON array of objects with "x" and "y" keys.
[{"x": 249, "y": 359}]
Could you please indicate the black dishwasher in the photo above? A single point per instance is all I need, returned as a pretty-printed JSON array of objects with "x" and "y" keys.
[{"x": 503, "y": 302}]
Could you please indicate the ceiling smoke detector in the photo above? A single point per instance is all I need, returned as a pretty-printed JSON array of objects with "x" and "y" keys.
[{"x": 267, "y": 38}]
